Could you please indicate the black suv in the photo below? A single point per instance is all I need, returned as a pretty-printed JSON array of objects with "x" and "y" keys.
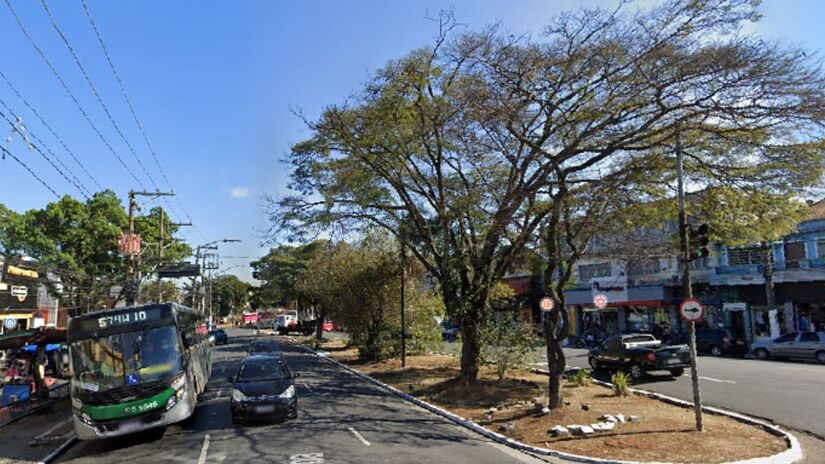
[{"x": 717, "y": 342}]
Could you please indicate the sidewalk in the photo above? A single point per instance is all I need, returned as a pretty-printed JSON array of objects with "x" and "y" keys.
[{"x": 34, "y": 437}]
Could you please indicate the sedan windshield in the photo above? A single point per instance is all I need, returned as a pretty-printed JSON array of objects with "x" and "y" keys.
[
  {"x": 125, "y": 359},
  {"x": 263, "y": 370}
]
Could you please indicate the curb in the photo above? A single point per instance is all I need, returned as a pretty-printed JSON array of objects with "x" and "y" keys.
[{"x": 789, "y": 456}]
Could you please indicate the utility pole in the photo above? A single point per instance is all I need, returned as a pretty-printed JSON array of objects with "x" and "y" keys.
[
  {"x": 134, "y": 277},
  {"x": 208, "y": 246},
  {"x": 687, "y": 290},
  {"x": 403, "y": 321}
]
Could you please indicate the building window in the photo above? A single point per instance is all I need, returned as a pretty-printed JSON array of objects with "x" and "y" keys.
[
  {"x": 590, "y": 271},
  {"x": 645, "y": 266},
  {"x": 820, "y": 248},
  {"x": 745, "y": 256}
]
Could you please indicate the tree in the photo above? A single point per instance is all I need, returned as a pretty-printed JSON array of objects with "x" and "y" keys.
[
  {"x": 282, "y": 269},
  {"x": 149, "y": 291},
  {"x": 473, "y": 144},
  {"x": 229, "y": 295},
  {"x": 78, "y": 242}
]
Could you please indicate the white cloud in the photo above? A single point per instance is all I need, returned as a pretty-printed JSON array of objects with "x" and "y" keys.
[{"x": 239, "y": 192}]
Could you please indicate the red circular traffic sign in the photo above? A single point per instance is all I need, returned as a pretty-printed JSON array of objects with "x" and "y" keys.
[
  {"x": 546, "y": 304},
  {"x": 600, "y": 301},
  {"x": 692, "y": 310}
]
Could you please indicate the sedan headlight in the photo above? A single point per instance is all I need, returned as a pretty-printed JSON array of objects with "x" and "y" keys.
[
  {"x": 289, "y": 392},
  {"x": 238, "y": 395}
]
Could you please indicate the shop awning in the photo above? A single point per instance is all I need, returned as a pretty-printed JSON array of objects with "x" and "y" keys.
[{"x": 42, "y": 335}]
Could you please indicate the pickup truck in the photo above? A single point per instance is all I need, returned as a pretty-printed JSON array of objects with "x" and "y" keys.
[
  {"x": 303, "y": 327},
  {"x": 638, "y": 354}
]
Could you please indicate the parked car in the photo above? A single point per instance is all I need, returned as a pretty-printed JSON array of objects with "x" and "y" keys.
[
  {"x": 327, "y": 326},
  {"x": 264, "y": 348},
  {"x": 638, "y": 354},
  {"x": 263, "y": 388},
  {"x": 220, "y": 337},
  {"x": 803, "y": 345},
  {"x": 716, "y": 342},
  {"x": 449, "y": 331}
]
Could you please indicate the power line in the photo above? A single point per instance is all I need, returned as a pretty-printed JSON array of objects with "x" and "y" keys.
[
  {"x": 70, "y": 93},
  {"x": 96, "y": 92},
  {"x": 122, "y": 86},
  {"x": 23, "y": 134},
  {"x": 123, "y": 90},
  {"x": 49, "y": 128},
  {"x": 10, "y": 154}
]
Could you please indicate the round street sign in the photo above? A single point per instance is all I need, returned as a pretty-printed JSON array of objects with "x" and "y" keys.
[
  {"x": 692, "y": 310},
  {"x": 546, "y": 304},
  {"x": 10, "y": 322},
  {"x": 600, "y": 301}
]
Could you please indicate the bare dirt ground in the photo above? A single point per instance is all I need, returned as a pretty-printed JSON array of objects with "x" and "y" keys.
[{"x": 663, "y": 433}]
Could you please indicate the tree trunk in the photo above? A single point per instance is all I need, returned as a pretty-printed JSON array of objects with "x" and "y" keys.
[
  {"x": 319, "y": 327},
  {"x": 556, "y": 364},
  {"x": 470, "y": 349}
]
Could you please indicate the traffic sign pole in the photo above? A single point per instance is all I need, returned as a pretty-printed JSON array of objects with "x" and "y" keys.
[{"x": 687, "y": 287}]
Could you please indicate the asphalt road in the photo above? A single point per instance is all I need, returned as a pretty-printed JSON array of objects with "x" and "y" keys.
[
  {"x": 342, "y": 419},
  {"x": 787, "y": 393}
]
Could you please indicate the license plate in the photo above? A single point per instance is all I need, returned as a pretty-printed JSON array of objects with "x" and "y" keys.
[
  {"x": 672, "y": 361},
  {"x": 129, "y": 426},
  {"x": 264, "y": 409}
]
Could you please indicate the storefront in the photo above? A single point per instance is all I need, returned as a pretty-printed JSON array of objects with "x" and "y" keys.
[{"x": 629, "y": 309}]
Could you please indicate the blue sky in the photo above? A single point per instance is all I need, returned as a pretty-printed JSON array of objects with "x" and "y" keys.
[{"x": 214, "y": 84}]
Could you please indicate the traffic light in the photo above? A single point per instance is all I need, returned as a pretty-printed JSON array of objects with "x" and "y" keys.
[{"x": 698, "y": 242}]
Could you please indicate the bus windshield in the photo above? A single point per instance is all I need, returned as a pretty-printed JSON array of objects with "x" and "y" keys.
[{"x": 122, "y": 359}]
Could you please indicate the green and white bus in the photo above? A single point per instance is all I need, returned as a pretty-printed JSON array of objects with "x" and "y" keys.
[{"x": 136, "y": 368}]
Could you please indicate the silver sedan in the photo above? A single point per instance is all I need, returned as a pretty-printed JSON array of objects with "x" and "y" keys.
[{"x": 807, "y": 345}]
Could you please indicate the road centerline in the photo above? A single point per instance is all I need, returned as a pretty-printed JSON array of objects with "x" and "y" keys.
[
  {"x": 711, "y": 379},
  {"x": 204, "y": 449},
  {"x": 359, "y": 436}
]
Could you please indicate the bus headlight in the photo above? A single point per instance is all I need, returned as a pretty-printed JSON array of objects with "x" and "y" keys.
[
  {"x": 179, "y": 382},
  {"x": 85, "y": 419},
  {"x": 288, "y": 393},
  {"x": 238, "y": 395},
  {"x": 171, "y": 402}
]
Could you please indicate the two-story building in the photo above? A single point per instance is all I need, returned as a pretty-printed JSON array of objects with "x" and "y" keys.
[{"x": 642, "y": 283}]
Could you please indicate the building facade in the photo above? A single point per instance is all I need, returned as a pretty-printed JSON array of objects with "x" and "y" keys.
[{"x": 643, "y": 287}]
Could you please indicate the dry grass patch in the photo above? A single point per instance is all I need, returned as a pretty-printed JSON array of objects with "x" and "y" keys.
[{"x": 664, "y": 433}]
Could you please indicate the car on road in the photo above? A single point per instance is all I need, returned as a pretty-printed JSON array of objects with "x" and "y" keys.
[
  {"x": 264, "y": 347},
  {"x": 220, "y": 336},
  {"x": 717, "y": 342},
  {"x": 263, "y": 388},
  {"x": 801, "y": 345},
  {"x": 638, "y": 354}
]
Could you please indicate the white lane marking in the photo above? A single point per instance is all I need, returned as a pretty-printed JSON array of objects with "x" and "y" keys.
[
  {"x": 306, "y": 385},
  {"x": 53, "y": 428},
  {"x": 204, "y": 449},
  {"x": 711, "y": 379},
  {"x": 359, "y": 436},
  {"x": 307, "y": 458},
  {"x": 220, "y": 390},
  {"x": 57, "y": 451}
]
